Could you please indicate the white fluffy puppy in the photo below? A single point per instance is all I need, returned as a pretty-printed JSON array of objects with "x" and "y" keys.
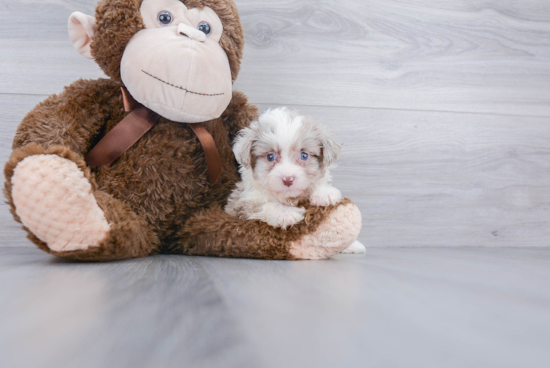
[{"x": 284, "y": 158}]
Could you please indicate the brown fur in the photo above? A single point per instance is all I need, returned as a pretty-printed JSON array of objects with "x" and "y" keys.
[
  {"x": 130, "y": 235},
  {"x": 213, "y": 232},
  {"x": 156, "y": 196}
]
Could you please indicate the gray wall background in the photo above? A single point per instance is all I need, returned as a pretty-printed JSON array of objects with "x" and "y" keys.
[{"x": 443, "y": 106}]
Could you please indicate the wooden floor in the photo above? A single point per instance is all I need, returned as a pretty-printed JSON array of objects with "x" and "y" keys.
[
  {"x": 393, "y": 307},
  {"x": 444, "y": 111},
  {"x": 443, "y": 107}
]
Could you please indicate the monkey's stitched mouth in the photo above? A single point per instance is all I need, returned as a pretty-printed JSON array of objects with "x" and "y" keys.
[{"x": 183, "y": 89}]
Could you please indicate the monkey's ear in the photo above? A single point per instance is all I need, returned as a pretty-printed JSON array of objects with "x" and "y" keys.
[
  {"x": 243, "y": 146},
  {"x": 81, "y": 31}
]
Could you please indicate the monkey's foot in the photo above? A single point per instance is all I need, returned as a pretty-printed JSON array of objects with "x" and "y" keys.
[
  {"x": 335, "y": 234},
  {"x": 355, "y": 248},
  {"x": 54, "y": 201}
]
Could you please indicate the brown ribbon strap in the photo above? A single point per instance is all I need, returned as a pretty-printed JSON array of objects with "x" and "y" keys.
[
  {"x": 129, "y": 103},
  {"x": 213, "y": 159},
  {"x": 122, "y": 137},
  {"x": 130, "y": 129}
]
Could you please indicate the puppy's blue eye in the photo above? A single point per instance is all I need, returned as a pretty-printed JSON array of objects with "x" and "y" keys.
[
  {"x": 304, "y": 156},
  {"x": 271, "y": 157}
]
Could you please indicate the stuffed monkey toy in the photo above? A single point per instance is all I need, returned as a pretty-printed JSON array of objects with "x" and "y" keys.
[{"x": 141, "y": 163}]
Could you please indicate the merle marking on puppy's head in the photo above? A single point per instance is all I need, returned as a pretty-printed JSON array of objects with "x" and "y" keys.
[{"x": 285, "y": 152}]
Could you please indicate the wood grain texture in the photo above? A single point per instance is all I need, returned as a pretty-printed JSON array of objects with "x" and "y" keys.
[
  {"x": 443, "y": 179},
  {"x": 134, "y": 314},
  {"x": 37, "y": 56},
  {"x": 490, "y": 56},
  {"x": 13, "y": 109},
  {"x": 466, "y": 56},
  {"x": 432, "y": 308},
  {"x": 443, "y": 109},
  {"x": 421, "y": 176}
]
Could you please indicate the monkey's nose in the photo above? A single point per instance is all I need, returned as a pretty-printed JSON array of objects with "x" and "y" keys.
[
  {"x": 192, "y": 33},
  {"x": 288, "y": 180}
]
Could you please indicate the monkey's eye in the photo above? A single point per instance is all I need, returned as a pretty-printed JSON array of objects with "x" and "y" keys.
[
  {"x": 204, "y": 27},
  {"x": 304, "y": 156},
  {"x": 270, "y": 157},
  {"x": 165, "y": 18}
]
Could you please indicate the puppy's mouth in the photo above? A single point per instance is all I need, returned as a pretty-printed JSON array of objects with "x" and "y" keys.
[
  {"x": 183, "y": 89},
  {"x": 289, "y": 193}
]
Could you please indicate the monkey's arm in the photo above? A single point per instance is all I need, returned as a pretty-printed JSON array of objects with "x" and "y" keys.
[
  {"x": 239, "y": 114},
  {"x": 74, "y": 118},
  {"x": 324, "y": 231}
]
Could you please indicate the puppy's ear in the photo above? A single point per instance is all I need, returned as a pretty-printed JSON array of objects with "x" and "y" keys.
[
  {"x": 331, "y": 148},
  {"x": 243, "y": 146}
]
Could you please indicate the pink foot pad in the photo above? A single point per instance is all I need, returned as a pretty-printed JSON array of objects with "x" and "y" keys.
[{"x": 54, "y": 201}]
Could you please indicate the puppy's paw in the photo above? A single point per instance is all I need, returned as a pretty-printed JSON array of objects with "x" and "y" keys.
[
  {"x": 286, "y": 217},
  {"x": 326, "y": 196},
  {"x": 355, "y": 248}
]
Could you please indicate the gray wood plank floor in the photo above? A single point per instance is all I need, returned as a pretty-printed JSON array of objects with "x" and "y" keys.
[
  {"x": 443, "y": 107},
  {"x": 491, "y": 56},
  {"x": 416, "y": 307},
  {"x": 488, "y": 56},
  {"x": 483, "y": 182}
]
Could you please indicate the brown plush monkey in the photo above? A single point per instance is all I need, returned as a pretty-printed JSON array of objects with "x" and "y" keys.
[{"x": 178, "y": 60}]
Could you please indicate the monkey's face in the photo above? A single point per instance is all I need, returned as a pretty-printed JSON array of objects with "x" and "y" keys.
[{"x": 176, "y": 66}]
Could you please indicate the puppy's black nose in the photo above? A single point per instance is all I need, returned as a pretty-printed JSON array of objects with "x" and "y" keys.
[{"x": 288, "y": 180}]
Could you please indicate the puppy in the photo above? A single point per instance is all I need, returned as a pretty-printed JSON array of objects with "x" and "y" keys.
[{"x": 284, "y": 158}]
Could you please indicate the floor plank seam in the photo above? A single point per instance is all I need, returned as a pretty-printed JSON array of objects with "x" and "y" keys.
[
  {"x": 346, "y": 107},
  {"x": 399, "y": 109}
]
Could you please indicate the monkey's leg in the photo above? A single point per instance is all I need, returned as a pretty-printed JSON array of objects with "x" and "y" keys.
[
  {"x": 325, "y": 231},
  {"x": 51, "y": 192}
]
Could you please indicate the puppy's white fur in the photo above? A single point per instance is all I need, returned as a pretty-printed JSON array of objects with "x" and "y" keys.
[{"x": 284, "y": 158}]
